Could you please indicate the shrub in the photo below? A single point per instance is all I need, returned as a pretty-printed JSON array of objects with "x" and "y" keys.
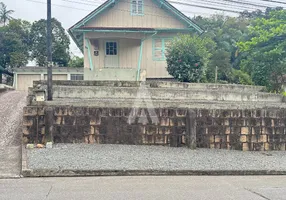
[
  {"x": 188, "y": 56},
  {"x": 240, "y": 77}
]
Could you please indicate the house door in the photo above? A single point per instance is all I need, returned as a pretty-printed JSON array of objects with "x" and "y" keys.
[{"x": 111, "y": 54}]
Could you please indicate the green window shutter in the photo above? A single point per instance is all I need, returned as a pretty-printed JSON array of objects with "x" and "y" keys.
[
  {"x": 160, "y": 47},
  {"x": 166, "y": 42},
  {"x": 158, "y": 53}
]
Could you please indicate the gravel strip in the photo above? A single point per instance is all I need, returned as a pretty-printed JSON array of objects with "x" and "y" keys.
[{"x": 124, "y": 157}]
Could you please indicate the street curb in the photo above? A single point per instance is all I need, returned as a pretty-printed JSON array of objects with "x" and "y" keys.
[
  {"x": 24, "y": 160},
  {"x": 9, "y": 176},
  {"x": 82, "y": 173}
]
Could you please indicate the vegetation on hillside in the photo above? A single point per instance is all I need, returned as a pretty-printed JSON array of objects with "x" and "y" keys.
[{"x": 249, "y": 49}]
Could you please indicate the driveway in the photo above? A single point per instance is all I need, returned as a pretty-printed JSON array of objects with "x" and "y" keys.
[{"x": 11, "y": 114}]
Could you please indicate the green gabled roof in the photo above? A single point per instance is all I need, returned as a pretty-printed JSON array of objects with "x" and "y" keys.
[{"x": 76, "y": 31}]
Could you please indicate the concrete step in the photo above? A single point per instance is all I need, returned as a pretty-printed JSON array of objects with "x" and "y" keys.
[
  {"x": 145, "y": 103},
  {"x": 155, "y": 84},
  {"x": 215, "y": 94}
]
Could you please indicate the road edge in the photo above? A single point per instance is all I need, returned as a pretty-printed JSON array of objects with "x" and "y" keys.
[{"x": 82, "y": 173}]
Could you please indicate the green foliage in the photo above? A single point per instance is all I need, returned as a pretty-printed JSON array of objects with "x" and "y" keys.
[
  {"x": 225, "y": 32},
  {"x": 284, "y": 94},
  {"x": 220, "y": 60},
  {"x": 188, "y": 56},
  {"x": 5, "y": 15},
  {"x": 240, "y": 77},
  {"x": 14, "y": 44},
  {"x": 60, "y": 43},
  {"x": 76, "y": 62},
  {"x": 258, "y": 13},
  {"x": 265, "y": 49}
]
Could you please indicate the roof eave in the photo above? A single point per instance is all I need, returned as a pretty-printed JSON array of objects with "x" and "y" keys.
[
  {"x": 181, "y": 16},
  {"x": 92, "y": 14},
  {"x": 110, "y": 3},
  {"x": 70, "y": 31}
]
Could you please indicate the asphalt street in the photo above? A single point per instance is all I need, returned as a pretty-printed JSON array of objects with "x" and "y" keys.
[{"x": 172, "y": 187}]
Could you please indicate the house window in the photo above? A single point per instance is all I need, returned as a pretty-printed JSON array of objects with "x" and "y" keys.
[
  {"x": 76, "y": 77},
  {"x": 111, "y": 48},
  {"x": 160, "y": 47},
  {"x": 136, "y": 7}
]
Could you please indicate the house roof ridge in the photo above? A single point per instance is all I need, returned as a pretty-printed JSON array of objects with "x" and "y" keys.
[
  {"x": 199, "y": 29},
  {"x": 80, "y": 25}
]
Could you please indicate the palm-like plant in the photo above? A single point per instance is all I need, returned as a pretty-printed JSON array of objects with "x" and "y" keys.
[{"x": 5, "y": 15}]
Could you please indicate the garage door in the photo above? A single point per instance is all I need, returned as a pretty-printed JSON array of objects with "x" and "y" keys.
[
  {"x": 61, "y": 77},
  {"x": 25, "y": 81}
]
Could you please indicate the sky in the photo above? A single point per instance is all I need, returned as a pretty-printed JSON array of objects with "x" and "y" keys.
[{"x": 68, "y": 12}]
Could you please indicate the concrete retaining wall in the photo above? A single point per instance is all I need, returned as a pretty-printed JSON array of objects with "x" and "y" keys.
[
  {"x": 254, "y": 130},
  {"x": 157, "y": 84},
  {"x": 159, "y": 91},
  {"x": 89, "y": 92}
]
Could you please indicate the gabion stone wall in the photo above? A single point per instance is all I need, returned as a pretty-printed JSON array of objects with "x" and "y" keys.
[{"x": 251, "y": 130}]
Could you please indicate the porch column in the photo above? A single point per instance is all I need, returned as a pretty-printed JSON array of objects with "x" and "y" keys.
[
  {"x": 140, "y": 60},
  {"x": 87, "y": 44}
]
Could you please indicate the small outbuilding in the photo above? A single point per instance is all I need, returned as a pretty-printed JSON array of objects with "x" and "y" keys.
[{"x": 24, "y": 76}]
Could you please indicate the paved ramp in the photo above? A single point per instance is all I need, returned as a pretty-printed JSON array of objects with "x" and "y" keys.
[{"x": 11, "y": 114}]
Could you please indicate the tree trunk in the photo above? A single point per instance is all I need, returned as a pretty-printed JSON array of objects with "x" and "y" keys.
[{"x": 0, "y": 77}]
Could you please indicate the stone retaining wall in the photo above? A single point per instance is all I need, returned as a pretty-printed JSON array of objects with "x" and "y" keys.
[{"x": 224, "y": 129}]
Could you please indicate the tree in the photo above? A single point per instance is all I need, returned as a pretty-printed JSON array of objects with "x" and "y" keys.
[
  {"x": 219, "y": 61},
  {"x": 76, "y": 62},
  {"x": 259, "y": 13},
  {"x": 14, "y": 44},
  {"x": 266, "y": 50},
  {"x": 60, "y": 43},
  {"x": 240, "y": 77},
  {"x": 225, "y": 32},
  {"x": 188, "y": 56},
  {"x": 5, "y": 15}
]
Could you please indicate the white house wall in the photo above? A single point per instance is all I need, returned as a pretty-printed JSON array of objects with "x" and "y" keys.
[{"x": 128, "y": 51}]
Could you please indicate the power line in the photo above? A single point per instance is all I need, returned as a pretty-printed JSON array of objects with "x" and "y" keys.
[
  {"x": 213, "y": 3},
  {"x": 246, "y": 3},
  {"x": 175, "y": 2},
  {"x": 93, "y": 5},
  {"x": 226, "y": 3},
  {"x": 117, "y": 9},
  {"x": 208, "y": 7},
  {"x": 88, "y": 4},
  {"x": 197, "y": 1},
  {"x": 272, "y": 1},
  {"x": 193, "y": 5},
  {"x": 58, "y": 5},
  {"x": 238, "y": 4}
]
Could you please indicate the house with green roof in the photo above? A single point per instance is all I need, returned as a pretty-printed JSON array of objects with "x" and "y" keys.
[{"x": 128, "y": 39}]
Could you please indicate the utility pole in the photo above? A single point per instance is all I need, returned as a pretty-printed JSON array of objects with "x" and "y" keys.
[{"x": 49, "y": 50}]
